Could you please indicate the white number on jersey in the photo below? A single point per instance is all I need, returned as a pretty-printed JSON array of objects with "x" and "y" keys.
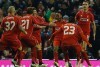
[
  {"x": 9, "y": 26},
  {"x": 69, "y": 30},
  {"x": 25, "y": 24}
]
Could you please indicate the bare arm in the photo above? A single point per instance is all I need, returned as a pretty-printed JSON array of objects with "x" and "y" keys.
[
  {"x": 94, "y": 29},
  {"x": 55, "y": 33},
  {"x": 39, "y": 26},
  {"x": 22, "y": 29}
]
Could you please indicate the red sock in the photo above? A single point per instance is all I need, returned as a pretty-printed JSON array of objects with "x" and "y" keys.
[
  {"x": 78, "y": 56},
  {"x": 40, "y": 56},
  {"x": 21, "y": 56},
  {"x": 82, "y": 60},
  {"x": 16, "y": 56},
  {"x": 66, "y": 57},
  {"x": 86, "y": 57},
  {"x": 34, "y": 55},
  {"x": 56, "y": 56}
]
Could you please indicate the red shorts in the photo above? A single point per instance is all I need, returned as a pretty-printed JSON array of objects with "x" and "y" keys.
[
  {"x": 87, "y": 34},
  {"x": 29, "y": 41},
  {"x": 37, "y": 34},
  {"x": 38, "y": 38},
  {"x": 77, "y": 48},
  {"x": 12, "y": 43},
  {"x": 57, "y": 42}
]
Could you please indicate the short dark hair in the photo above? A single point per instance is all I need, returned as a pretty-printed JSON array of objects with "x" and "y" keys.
[
  {"x": 87, "y": 1},
  {"x": 29, "y": 10},
  {"x": 20, "y": 12}
]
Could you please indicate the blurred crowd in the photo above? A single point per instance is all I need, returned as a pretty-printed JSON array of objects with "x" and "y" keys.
[{"x": 45, "y": 9}]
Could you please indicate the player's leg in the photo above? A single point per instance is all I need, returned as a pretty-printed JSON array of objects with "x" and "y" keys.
[
  {"x": 78, "y": 50},
  {"x": 65, "y": 51},
  {"x": 34, "y": 57},
  {"x": 85, "y": 57},
  {"x": 56, "y": 47},
  {"x": 39, "y": 50},
  {"x": 17, "y": 47},
  {"x": 84, "y": 53},
  {"x": 84, "y": 44},
  {"x": 3, "y": 45},
  {"x": 32, "y": 42},
  {"x": 39, "y": 53}
]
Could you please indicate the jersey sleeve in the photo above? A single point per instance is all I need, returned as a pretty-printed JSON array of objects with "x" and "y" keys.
[
  {"x": 36, "y": 21},
  {"x": 43, "y": 21},
  {"x": 91, "y": 17},
  {"x": 19, "y": 20},
  {"x": 57, "y": 32},
  {"x": 77, "y": 15},
  {"x": 82, "y": 35}
]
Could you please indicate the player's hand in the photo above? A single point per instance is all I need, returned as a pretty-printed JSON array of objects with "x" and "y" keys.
[
  {"x": 25, "y": 32},
  {"x": 90, "y": 45},
  {"x": 43, "y": 27},
  {"x": 52, "y": 24},
  {"x": 38, "y": 46}
]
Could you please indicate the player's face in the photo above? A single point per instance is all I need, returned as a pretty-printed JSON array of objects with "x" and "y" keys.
[
  {"x": 35, "y": 12},
  {"x": 53, "y": 15},
  {"x": 85, "y": 5},
  {"x": 58, "y": 17}
]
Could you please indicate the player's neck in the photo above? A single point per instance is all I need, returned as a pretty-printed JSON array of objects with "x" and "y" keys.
[
  {"x": 85, "y": 10},
  {"x": 11, "y": 14},
  {"x": 35, "y": 15}
]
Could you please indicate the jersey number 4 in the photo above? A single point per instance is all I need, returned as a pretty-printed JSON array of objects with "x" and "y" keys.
[
  {"x": 69, "y": 30},
  {"x": 9, "y": 25}
]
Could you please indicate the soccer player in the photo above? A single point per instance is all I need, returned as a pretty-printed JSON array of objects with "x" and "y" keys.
[
  {"x": 10, "y": 26},
  {"x": 58, "y": 37},
  {"x": 84, "y": 18},
  {"x": 29, "y": 40},
  {"x": 70, "y": 37},
  {"x": 37, "y": 34}
]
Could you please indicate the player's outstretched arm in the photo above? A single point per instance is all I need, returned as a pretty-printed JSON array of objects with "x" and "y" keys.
[
  {"x": 83, "y": 36},
  {"x": 55, "y": 33},
  {"x": 22, "y": 29},
  {"x": 93, "y": 25},
  {"x": 39, "y": 26}
]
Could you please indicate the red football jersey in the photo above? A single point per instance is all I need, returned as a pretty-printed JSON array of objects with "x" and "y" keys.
[
  {"x": 57, "y": 27},
  {"x": 10, "y": 26},
  {"x": 71, "y": 33},
  {"x": 40, "y": 21},
  {"x": 84, "y": 20},
  {"x": 18, "y": 31},
  {"x": 27, "y": 24}
]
